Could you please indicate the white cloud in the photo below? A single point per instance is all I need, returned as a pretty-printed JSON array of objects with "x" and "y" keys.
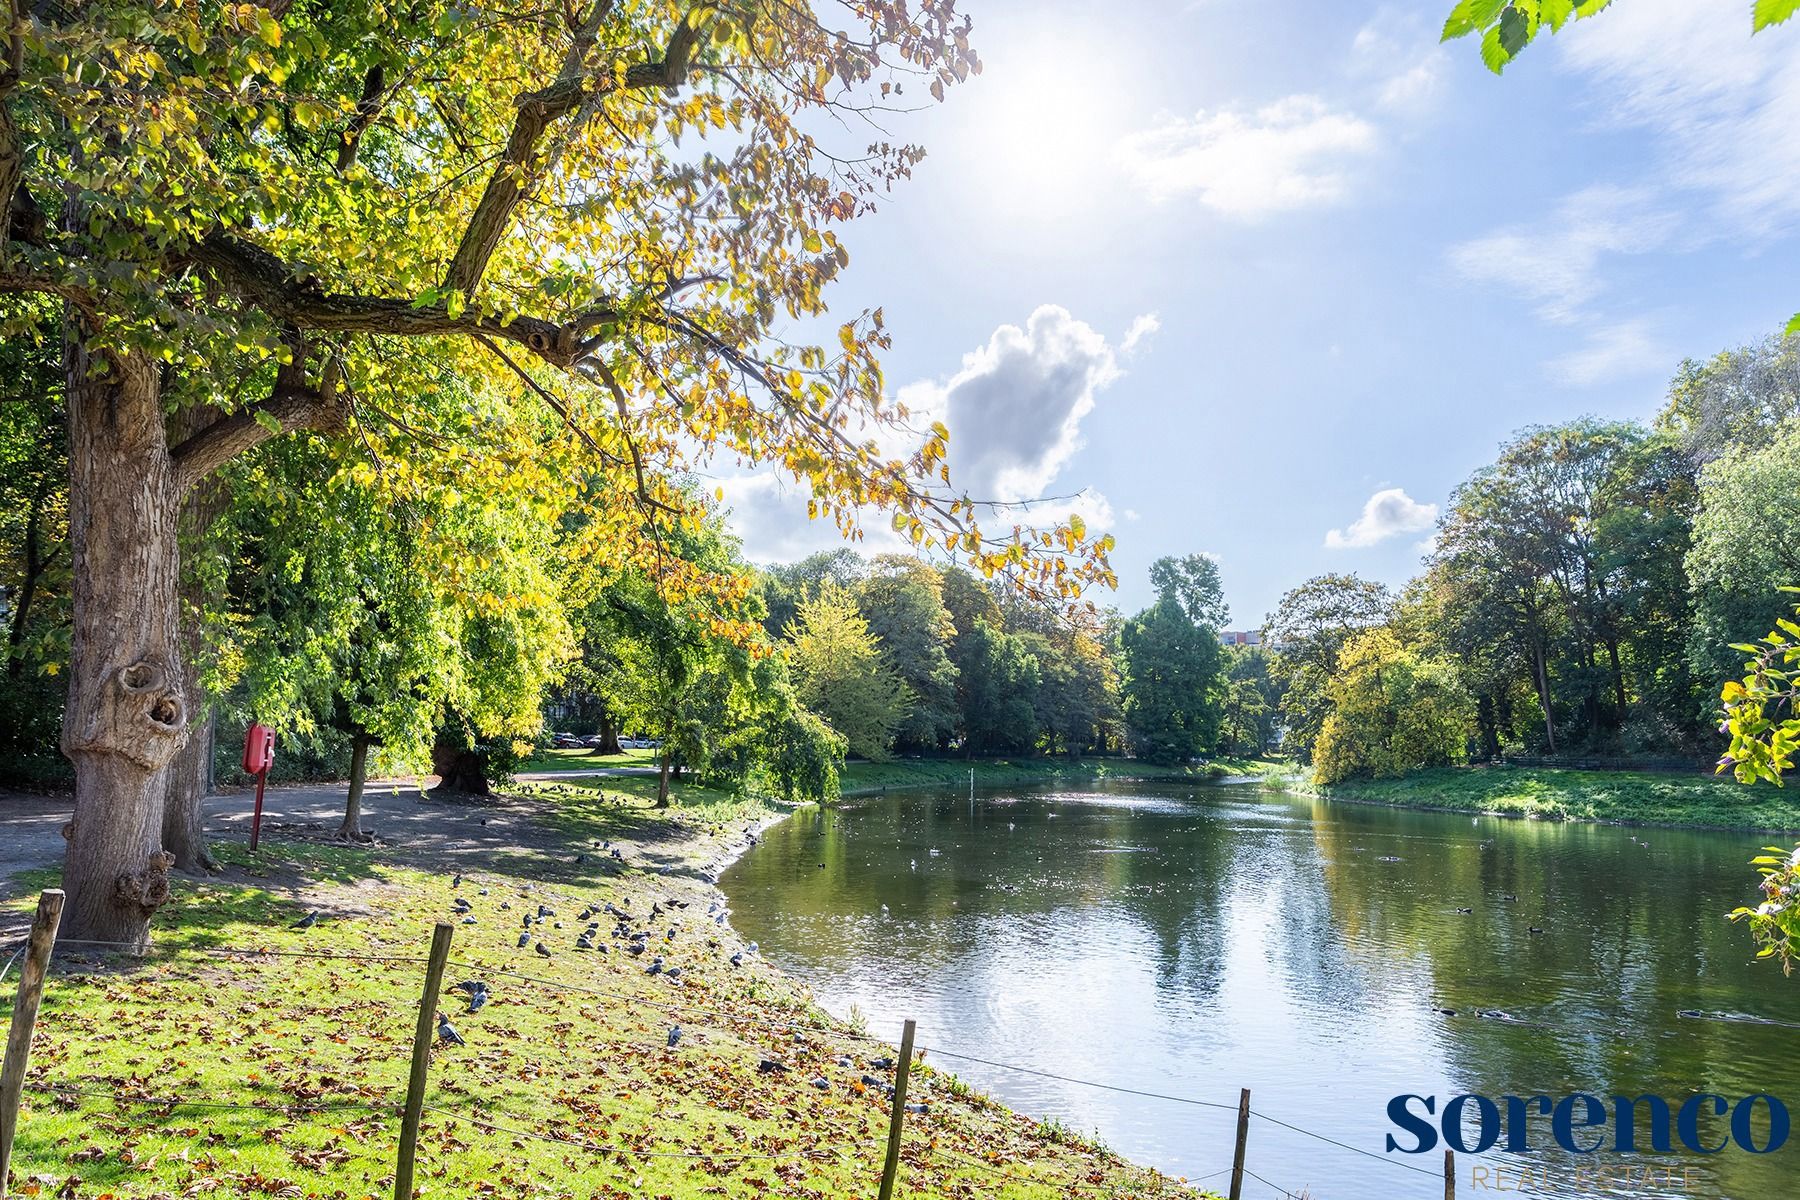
[
  {"x": 1294, "y": 153},
  {"x": 1722, "y": 106},
  {"x": 767, "y": 511},
  {"x": 1143, "y": 327},
  {"x": 1613, "y": 351},
  {"x": 1401, "y": 59},
  {"x": 1557, "y": 265},
  {"x": 1014, "y": 409},
  {"x": 1717, "y": 109},
  {"x": 1388, "y": 513}
]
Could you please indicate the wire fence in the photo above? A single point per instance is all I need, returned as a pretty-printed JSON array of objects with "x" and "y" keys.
[{"x": 697, "y": 1019}]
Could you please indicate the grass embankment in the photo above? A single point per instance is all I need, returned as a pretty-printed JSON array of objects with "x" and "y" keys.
[
  {"x": 567, "y": 1085},
  {"x": 586, "y": 760},
  {"x": 1641, "y": 797},
  {"x": 864, "y": 778}
]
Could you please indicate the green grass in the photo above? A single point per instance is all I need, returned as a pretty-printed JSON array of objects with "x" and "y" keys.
[
  {"x": 586, "y": 760},
  {"x": 581, "y": 1056},
  {"x": 862, "y": 778},
  {"x": 1646, "y": 797}
]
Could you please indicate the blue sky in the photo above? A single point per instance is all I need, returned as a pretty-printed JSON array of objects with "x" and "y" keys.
[{"x": 1270, "y": 279}]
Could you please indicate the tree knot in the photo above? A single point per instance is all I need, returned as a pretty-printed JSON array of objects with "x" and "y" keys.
[
  {"x": 147, "y": 716},
  {"x": 148, "y": 889}
]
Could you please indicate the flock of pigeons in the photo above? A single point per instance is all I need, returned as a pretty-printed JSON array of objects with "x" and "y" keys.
[
  {"x": 638, "y": 936},
  {"x": 633, "y": 935}
]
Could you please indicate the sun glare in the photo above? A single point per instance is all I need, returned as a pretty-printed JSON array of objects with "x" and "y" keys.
[{"x": 1041, "y": 126}]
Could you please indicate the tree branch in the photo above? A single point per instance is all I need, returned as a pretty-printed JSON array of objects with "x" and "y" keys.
[
  {"x": 367, "y": 107},
  {"x": 296, "y": 300},
  {"x": 555, "y": 405},
  {"x": 520, "y": 164},
  {"x": 292, "y": 405}
]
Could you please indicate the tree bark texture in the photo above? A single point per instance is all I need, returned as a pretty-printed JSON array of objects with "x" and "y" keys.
[
  {"x": 190, "y": 773},
  {"x": 127, "y": 714}
]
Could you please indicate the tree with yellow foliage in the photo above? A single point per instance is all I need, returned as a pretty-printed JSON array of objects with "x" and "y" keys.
[{"x": 263, "y": 218}]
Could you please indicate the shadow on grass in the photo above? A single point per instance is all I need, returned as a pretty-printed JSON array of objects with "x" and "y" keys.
[{"x": 255, "y": 895}]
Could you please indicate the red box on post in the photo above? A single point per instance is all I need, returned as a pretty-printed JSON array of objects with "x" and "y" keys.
[{"x": 259, "y": 749}]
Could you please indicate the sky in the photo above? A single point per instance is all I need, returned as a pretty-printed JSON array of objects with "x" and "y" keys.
[{"x": 1266, "y": 279}]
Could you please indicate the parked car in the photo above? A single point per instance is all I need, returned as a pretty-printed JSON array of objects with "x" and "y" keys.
[{"x": 566, "y": 741}]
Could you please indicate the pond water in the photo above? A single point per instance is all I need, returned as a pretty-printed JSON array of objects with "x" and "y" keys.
[{"x": 1192, "y": 941}]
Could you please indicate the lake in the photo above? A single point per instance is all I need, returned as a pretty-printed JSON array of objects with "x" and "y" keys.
[{"x": 1191, "y": 941}]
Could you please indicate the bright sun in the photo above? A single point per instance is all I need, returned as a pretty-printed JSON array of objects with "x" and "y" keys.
[{"x": 1041, "y": 124}]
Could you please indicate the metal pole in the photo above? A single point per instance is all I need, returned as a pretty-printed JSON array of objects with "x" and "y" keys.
[
  {"x": 421, "y": 1059},
  {"x": 1243, "y": 1134},
  {"x": 24, "y": 1021},
  {"x": 262, "y": 777},
  {"x": 897, "y": 1118}
]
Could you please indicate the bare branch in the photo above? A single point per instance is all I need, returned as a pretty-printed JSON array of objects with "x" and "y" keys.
[
  {"x": 272, "y": 285},
  {"x": 556, "y": 406},
  {"x": 637, "y": 460}
]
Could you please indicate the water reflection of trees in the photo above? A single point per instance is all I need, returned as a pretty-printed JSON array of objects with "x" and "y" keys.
[{"x": 1631, "y": 935}]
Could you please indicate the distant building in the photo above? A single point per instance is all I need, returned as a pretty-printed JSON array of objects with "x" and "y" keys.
[{"x": 1240, "y": 637}]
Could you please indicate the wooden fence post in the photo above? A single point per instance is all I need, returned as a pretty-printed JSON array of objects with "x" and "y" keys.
[
  {"x": 1243, "y": 1134},
  {"x": 24, "y": 1021},
  {"x": 421, "y": 1059},
  {"x": 897, "y": 1118},
  {"x": 1449, "y": 1175}
]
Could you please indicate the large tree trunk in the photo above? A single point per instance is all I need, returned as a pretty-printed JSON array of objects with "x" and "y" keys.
[
  {"x": 459, "y": 770},
  {"x": 351, "y": 830},
  {"x": 609, "y": 733},
  {"x": 126, "y": 715},
  {"x": 190, "y": 774},
  {"x": 1618, "y": 674},
  {"x": 189, "y": 780}
]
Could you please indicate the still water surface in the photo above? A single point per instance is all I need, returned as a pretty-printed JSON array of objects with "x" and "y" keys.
[{"x": 1196, "y": 940}]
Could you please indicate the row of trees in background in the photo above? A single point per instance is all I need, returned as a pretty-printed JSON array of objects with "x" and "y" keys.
[
  {"x": 1582, "y": 595},
  {"x": 901, "y": 656},
  {"x": 435, "y": 631}
]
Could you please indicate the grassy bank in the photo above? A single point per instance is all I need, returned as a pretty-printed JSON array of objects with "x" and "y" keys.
[
  {"x": 865, "y": 778},
  {"x": 586, "y": 760},
  {"x": 1644, "y": 797},
  {"x": 204, "y": 1070},
  {"x": 916, "y": 774}
]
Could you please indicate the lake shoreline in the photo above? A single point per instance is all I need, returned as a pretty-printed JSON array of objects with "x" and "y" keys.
[
  {"x": 1623, "y": 798},
  {"x": 864, "y": 779}
]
